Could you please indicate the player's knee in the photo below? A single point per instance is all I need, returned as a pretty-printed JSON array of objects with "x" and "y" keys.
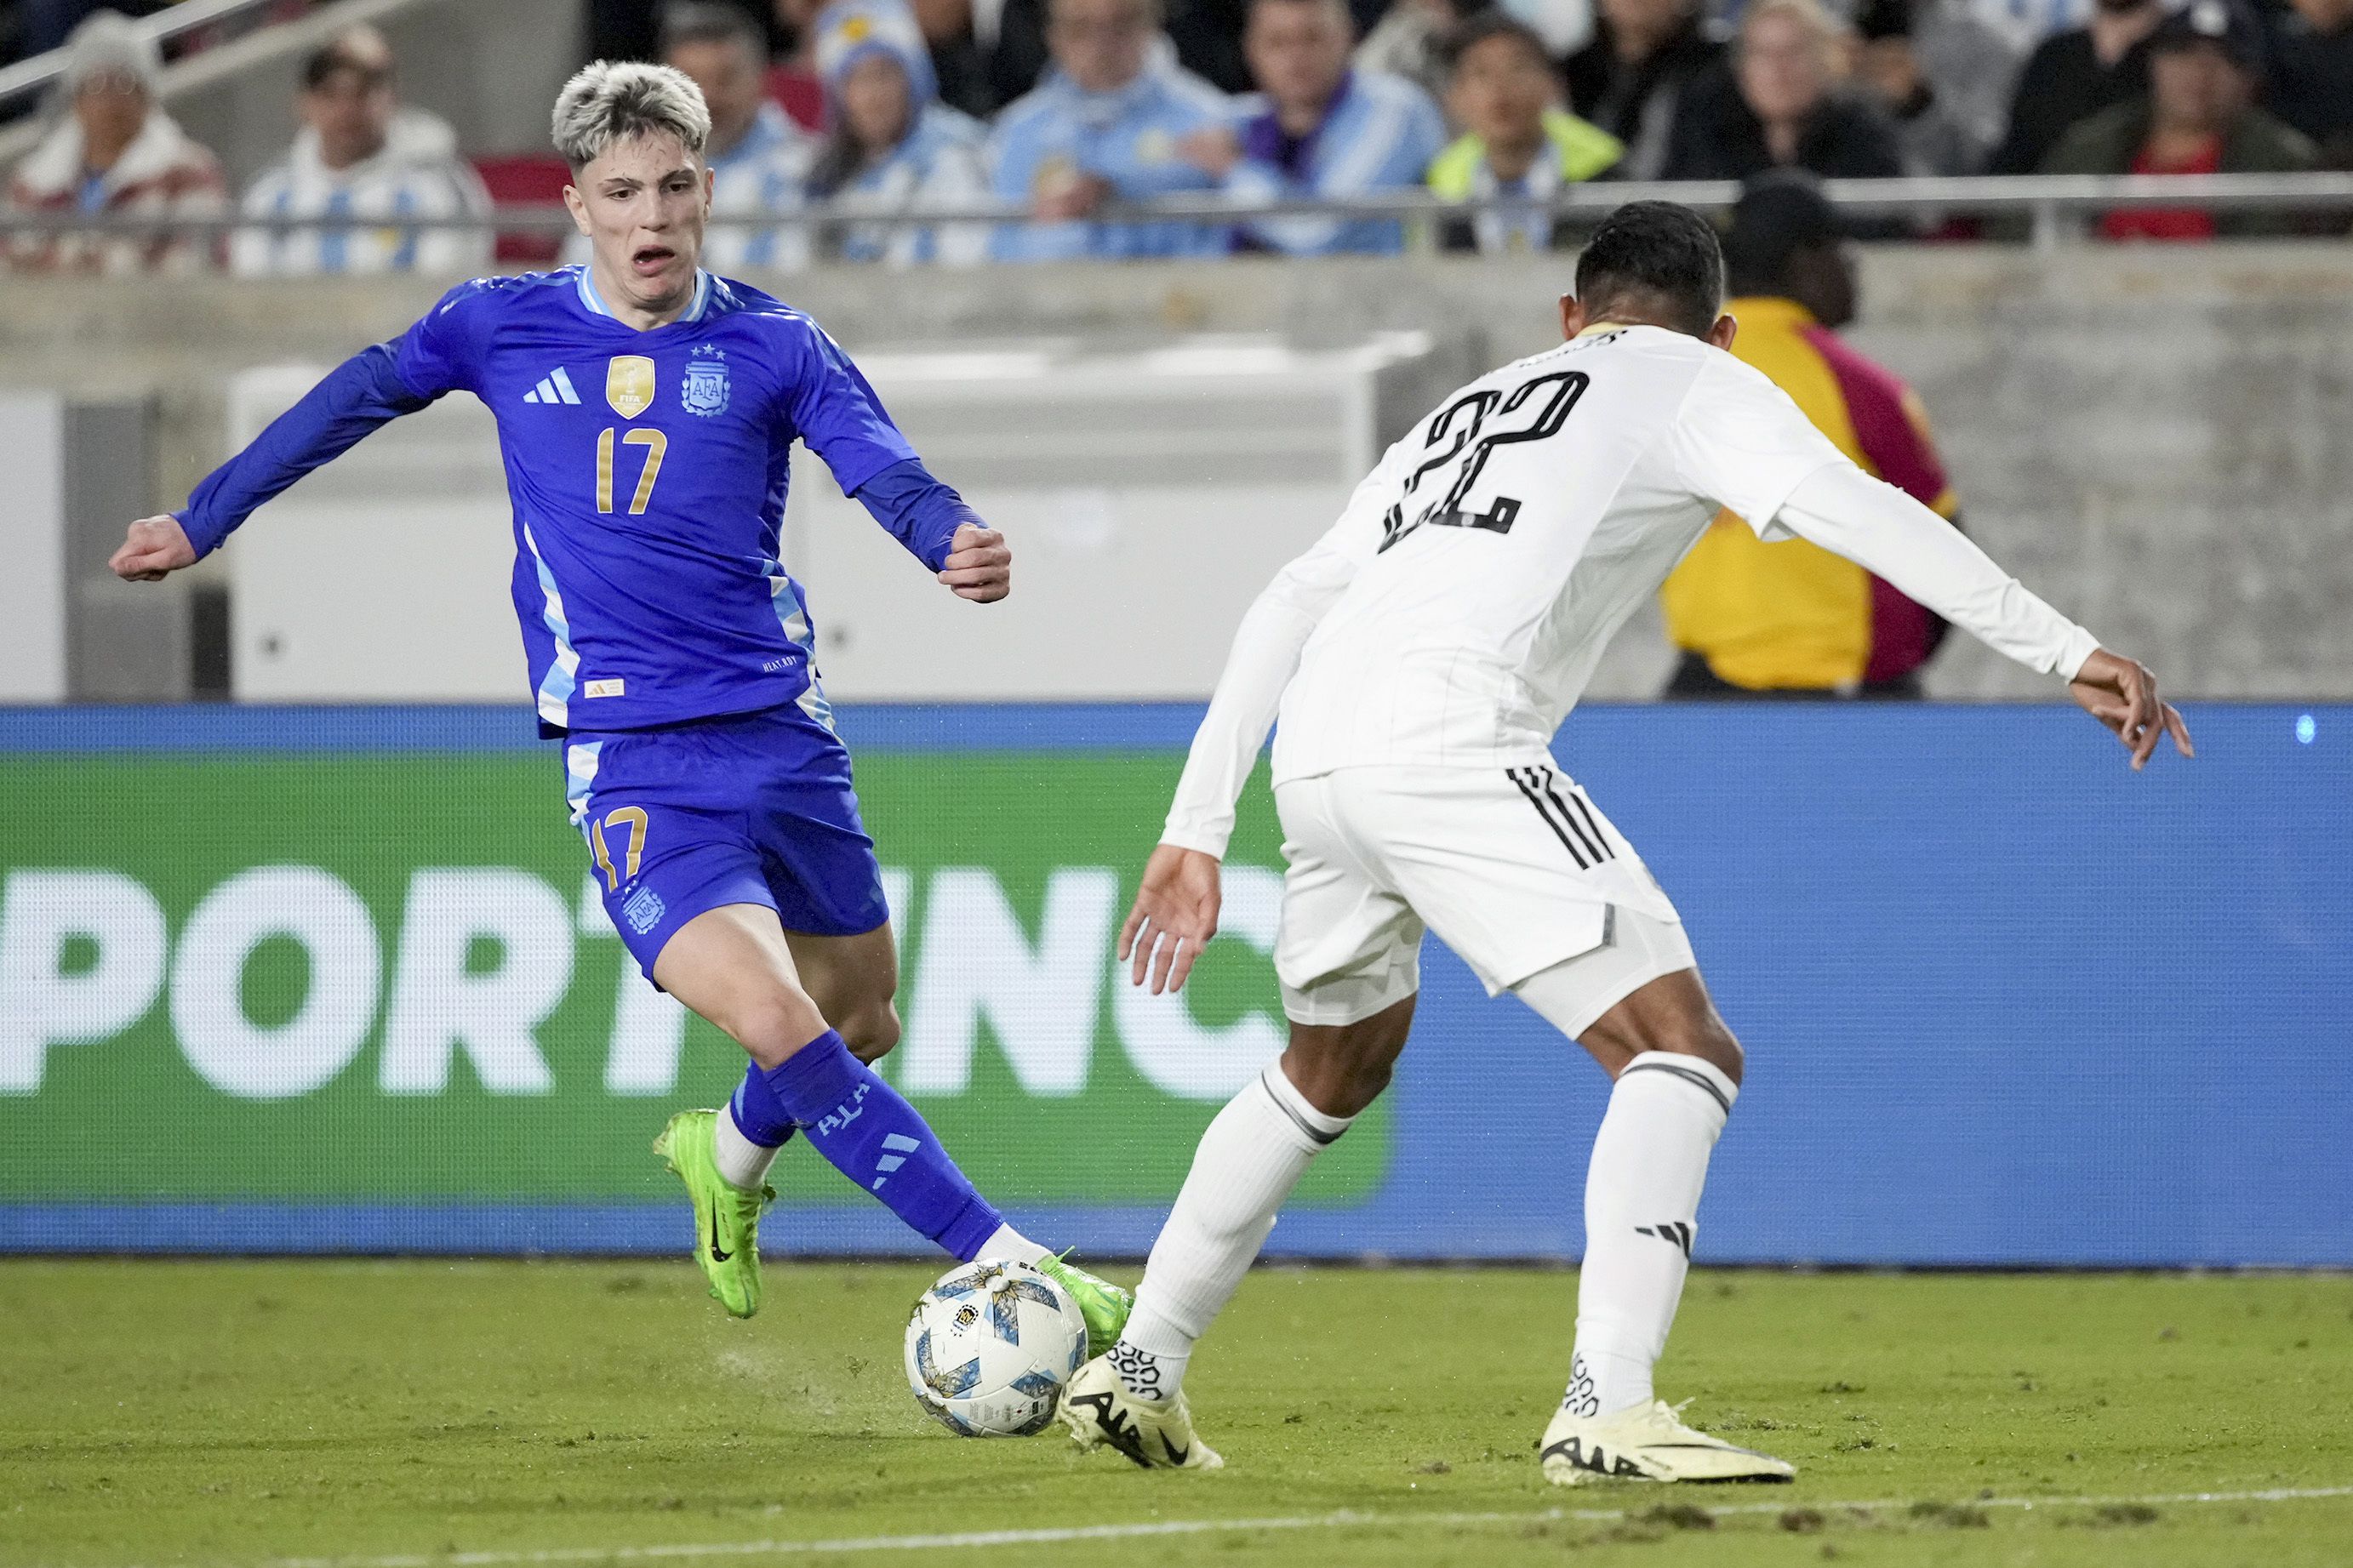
[
  {"x": 773, "y": 1026},
  {"x": 1363, "y": 1084},
  {"x": 870, "y": 1031},
  {"x": 1709, "y": 1040}
]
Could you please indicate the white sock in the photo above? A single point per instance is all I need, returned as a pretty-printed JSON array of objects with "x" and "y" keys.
[
  {"x": 1641, "y": 1202},
  {"x": 742, "y": 1162},
  {"x": 1250, "y": 1159},
  {"x": 1007, "y": 1245}
]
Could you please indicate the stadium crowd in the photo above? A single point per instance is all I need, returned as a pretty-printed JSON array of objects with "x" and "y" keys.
[{"x": 850, "y": 109}]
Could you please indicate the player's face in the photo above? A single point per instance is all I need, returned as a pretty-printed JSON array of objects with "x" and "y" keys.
[
  {"x": 1298, "y": 52},
  {"x": 642, "y": 206}
]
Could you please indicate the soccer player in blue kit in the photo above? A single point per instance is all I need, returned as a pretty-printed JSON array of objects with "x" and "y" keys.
[{"x": 646, "y": 412}]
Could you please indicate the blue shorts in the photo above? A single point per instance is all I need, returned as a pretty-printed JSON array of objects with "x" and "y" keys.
[{"x": 756, "y": 808}]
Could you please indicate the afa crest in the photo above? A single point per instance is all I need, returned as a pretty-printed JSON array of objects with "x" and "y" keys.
[
  {"x": 629, "y": 385},
  {"x": 705, "y": 389}
]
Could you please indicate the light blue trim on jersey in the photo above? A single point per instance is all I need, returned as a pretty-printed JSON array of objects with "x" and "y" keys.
[
  {"x": 579, "y": 776},
  {"x": 562, "y": 677},
  {"x": 587, "y": 292},
  {"x": 803, "y": 635},
  {"x": 597, "y": 307}
]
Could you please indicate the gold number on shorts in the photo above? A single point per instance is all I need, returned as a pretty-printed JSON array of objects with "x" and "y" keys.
[{"x": 635, "y": 817}]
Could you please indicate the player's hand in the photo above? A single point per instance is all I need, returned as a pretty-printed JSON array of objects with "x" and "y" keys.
[
  {"x": 2121, "y": 694},
  {"x": 979, "y": 566},
  {"x": 1175, "y": 916},
  {"x": 154, "y": 548}
]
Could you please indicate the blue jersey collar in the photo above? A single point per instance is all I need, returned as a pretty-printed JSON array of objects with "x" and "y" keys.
[{"x": 595, "y": 305}]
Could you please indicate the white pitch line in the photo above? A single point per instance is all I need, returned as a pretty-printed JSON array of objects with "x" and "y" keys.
[{"x": 1344, "y": 1519}]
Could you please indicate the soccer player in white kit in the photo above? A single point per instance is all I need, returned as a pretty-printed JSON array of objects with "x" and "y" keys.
[{"x": 1422, "y": 654}]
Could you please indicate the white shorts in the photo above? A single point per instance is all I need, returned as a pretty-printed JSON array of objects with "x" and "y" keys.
[{"x": 1514, "y": 869}]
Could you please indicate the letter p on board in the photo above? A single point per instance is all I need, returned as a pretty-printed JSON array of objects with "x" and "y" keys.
[{"x": 44, "y": 1002}]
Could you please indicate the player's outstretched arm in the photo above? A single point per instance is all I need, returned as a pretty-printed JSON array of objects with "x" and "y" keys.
[
  {"x": 1175, "y": 916},
  {"x": 1880, "y": 528},
  {"x": 358, "y": 395},
  {"x": 2121, "y": 694}
]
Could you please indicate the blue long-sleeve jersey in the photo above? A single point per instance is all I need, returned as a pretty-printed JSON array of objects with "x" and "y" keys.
[{"x": 647, "y": 472}]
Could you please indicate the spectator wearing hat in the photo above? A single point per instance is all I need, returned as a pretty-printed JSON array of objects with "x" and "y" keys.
[
  {"x": 1108, "y": 123},
  {"x": 1942, "y": 75},
  {"x": 1785, "y": 106},
  {"x": 1319, "y": 129},
  {"x": 114, "y": 153},
  {"x": 1789, "y": 618},
  {"x": 1517, "y": 141},
  {"x": 2074, "y": 75},
  {"x": 2199, "y": 118},
  {"x": 363, "y": 155},
  {"x": 1645, "y": 57},
  {"x": 892, "y": 145},
  {"x": 2309, "y": 80}
]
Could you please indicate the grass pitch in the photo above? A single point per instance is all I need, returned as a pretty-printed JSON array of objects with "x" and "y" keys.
[{"x": 242, "y": 1412}]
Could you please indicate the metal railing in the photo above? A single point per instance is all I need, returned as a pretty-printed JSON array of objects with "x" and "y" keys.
[
  {"x": 2050, "y": 203},
  {"x": 31, "y": 76}
]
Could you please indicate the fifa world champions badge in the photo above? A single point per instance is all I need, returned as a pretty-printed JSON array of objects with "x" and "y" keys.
[
  {"x": 629, "y": 385},
  {"x": 704, "y": 390}
]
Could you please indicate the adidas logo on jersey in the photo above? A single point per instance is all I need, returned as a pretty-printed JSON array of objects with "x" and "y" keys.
[{"x": 554, "y": 387}]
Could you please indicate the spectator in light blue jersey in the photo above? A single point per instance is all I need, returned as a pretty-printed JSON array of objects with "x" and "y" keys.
[
  {"x": 1111, "y": 122},
  {"x": 363, "y": 155},
  {"x": 890, "y": 145},
  {"x": 1318, "y": 128},
  {"x": 759, "y": 160}
]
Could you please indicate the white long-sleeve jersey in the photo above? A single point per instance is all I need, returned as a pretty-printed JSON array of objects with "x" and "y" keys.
[{"x": 1453, "y": 615}]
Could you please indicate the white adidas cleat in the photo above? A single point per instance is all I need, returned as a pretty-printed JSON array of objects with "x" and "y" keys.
[
  {"x": 1156, "y": 1434},
  {"x": 1648, "y": 1443}
]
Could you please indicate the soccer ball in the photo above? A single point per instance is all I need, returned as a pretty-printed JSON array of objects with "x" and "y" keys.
[{"x": 989, "y": 1347}]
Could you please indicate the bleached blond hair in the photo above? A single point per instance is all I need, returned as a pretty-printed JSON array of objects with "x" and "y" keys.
[{"x": 613, "y": 101}]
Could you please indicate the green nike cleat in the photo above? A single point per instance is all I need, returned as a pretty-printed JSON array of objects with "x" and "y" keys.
[
  {"x": 1103, "y": 1304},
  {"x": 726, "y": 1217}
]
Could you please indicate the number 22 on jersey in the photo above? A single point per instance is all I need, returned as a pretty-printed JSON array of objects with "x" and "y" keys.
[
  {"x": 1464, "y": 424},
  {"x": 655, "y": 443}
]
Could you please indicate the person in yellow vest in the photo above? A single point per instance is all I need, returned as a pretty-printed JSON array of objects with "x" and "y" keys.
[
  {"x": 1789, "y": 618},
  {"x": 1518, "y": 141}
]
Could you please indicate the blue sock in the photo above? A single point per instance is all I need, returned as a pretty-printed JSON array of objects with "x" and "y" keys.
[
  {"x": 757, "y": 1115},
  {"x": 876, "y": 1139}
]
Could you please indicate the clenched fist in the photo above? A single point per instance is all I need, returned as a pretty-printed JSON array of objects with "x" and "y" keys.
[
  {"x": 153, "y": 548},
  {"x": 980, "y": 567}
]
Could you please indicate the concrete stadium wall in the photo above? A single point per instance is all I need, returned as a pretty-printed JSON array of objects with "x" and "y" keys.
[{"x": 2156, "y": 440}]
